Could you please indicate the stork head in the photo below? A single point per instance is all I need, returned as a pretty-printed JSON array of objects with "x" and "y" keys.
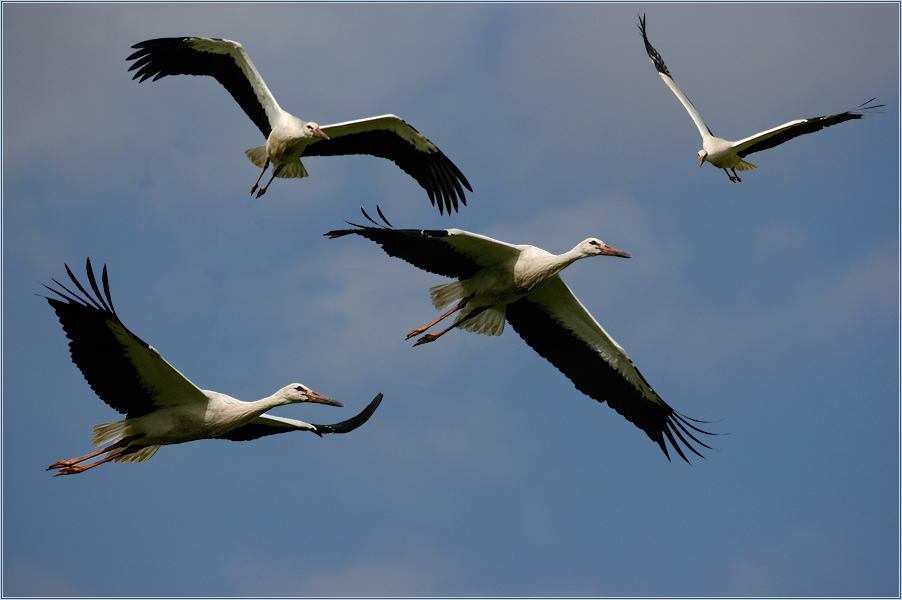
[
  {"x": 298, "y": 392},
  {"x": 595, "y": 247},
  {"x": 313, "y": 130},
  {"x": 702, "y": 155}
]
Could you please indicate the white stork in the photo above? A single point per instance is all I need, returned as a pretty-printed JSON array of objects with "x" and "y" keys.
[
  {"x": 729, "y": 155},
  {"x": 287, "y": 137},
  {"x": 161, "y": 406},
  {"x": 498, "y": 281}
]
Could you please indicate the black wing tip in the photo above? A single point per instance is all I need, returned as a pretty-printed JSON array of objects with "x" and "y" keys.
[
  {"x": 85, "y": 299},
  {"x": 653, "y": 54},
  {"x": 679, "y": 425},
  {"x": 337, "y": 233},
  {"x": 352, "y": 423},
  {"x": 866, "y": 109}
]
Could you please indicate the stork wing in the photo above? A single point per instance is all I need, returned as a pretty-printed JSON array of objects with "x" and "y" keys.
[
  {"x": 557, "y": 326},
  {"x": 665, "y": 75},
  {"x": 223, "y": 59},
  {"x": 787, "y": 131},
  {"x": 390, "y": 137},
  {"x": 449, "y": 252},
  {"x": 127, "y": 373},
  {"x": 271, "y": 425}
]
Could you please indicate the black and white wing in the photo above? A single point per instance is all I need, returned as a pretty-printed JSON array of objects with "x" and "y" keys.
[
  {"x": 223, "y": 59},
  {"x": 665, "y": 75},
  {"x": 270, "y": 425},
  {"x": 390, "y": 137},
  {"x": 787, "y": 131},
  {"x": 557, "y": 326},
  {"x": 449, "y": 252},
  {"x": 127, "y": 373}
]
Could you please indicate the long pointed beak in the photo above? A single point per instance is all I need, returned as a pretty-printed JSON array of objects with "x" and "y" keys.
[
  {"x": 611, "y": 251},
  {"x": 320, "y": 399},
  {"x": 320, "y": 134},
  {"x": 701, "y": 160}
]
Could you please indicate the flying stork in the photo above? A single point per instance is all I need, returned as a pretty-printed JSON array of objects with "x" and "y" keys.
[
  {"x": 729, "y": 155},
  {"x": 161, "y": 406},
  {"x": 519, "y": 283},
  {"x": 287, "y": 137}
]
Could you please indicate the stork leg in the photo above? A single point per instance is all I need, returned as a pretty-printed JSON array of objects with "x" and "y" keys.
[
  {"x": 431, "y": 337},
  {"x": 420, "y": 330},
  {"x": 734, "y": 174},
  {"x": 64, "y": 464},
  {"x": 73, "y": 469},
  {"x": 275, "y": 172},
  {"x": 265, "y": 166},
  {"x": 734, "y": 178}
]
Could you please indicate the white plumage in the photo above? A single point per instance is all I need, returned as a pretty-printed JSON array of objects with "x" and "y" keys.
[
  {"x": 497, "y": 281},
  {"x": 288, "y": 137},
  {"x": 728, "y": 155},
  {"x": 162, "y": 407}
]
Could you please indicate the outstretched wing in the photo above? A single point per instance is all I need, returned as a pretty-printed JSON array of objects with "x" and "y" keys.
[
  {"x": 665, "y": 75},
  {"x": 787, "y": 131},
  {"x": 127, "y": 373},
  {"x": 223, "y": 59},
  {"x": 449, "y": 252},
  {"x": 557, "y": 326},
  {"x": 391, "y": 137},
  {"x": 269, "y": 425}
]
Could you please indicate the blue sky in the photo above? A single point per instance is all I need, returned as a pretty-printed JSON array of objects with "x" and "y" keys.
[{"x": 769, "y": 306}]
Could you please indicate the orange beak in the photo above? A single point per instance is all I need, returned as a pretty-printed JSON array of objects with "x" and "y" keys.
[
  {"x": 701, "y": 160},
  {"x": 320, "y": 399},
  {"x": 320, "y": 134},
  {"x": 611, "y": 251}
]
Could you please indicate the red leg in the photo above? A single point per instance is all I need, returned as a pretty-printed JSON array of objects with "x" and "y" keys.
[
  {"x": 431, "y": 337},
  {"x": 737, "y": 176},
  {"x": 275, "y": 172},
  {"x": 72, "y": 461},
  {"x": 265, "y": 165},
  {"x": 420, "y": 330},
  {"x": 73, "y": 469}
]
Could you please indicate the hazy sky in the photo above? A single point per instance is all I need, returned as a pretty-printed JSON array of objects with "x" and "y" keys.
[{"x": 770, "y": 306}]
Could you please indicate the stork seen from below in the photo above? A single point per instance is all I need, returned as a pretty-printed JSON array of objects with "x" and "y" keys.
[
  {"x": 729, "y": 155},
  {"x": 519, "y": 283},
  {"x": 288, "y": 137},
  {"x": 161, "y": 406}
]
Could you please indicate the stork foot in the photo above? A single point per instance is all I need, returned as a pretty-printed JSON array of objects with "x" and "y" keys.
[
  {"x": 429, "y": 337},
  {"x": 253, "y": 189},
  {"x": 70, "y": 470},
  {"x": 261, "y": 192},
  {"x": 62, "y": 464},
  {"x": 417, "y": 331}
]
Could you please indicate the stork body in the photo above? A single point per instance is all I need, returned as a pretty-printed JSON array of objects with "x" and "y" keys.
[
  {"x": 162, "y": 407},
  {"x": 288, "y": 137},
  {"x": 521, "y": 284},
  {"x": 730, "y": 156}
]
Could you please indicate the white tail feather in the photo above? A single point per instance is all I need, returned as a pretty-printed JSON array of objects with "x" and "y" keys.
[
  {"x": 292, "y": 170},
  {"x": 257, "y": 155},
  {"x": 139, "y": 456},
  {"x": 489, "y": 322},
  {"x": 108, "y": 432},
  {"x": 446, "y": 294}
]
